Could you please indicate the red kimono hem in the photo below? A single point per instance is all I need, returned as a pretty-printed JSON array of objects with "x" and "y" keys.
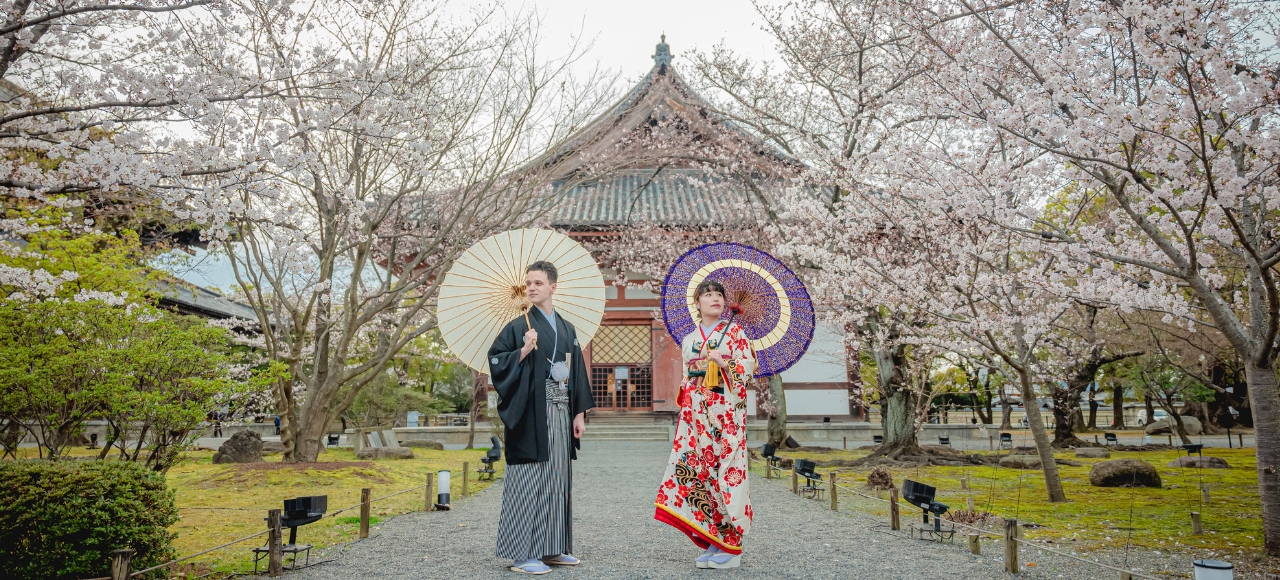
[{"x": 701, "y": 538}]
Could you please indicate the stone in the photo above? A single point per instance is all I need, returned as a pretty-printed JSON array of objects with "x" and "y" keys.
[
  {"x": 243, "y": 447},
  {"x": 272, "y": 447},
  {"x": 1124, "y": 473},
  {"x": 1020, "y": 461},
  {"x": 1093, "y": 453},
  {"x": 423, "y": 444},
  {"x": 1197, "y": 461},
  {"x": 1191, "y": 424},
  {"x": 385, "y": 453}
]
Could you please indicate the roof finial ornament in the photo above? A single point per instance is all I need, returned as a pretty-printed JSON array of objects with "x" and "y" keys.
[{"x": 662, "y": 54}]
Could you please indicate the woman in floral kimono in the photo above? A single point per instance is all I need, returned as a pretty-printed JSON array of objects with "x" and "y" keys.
[{"x": 704, "y": 491}]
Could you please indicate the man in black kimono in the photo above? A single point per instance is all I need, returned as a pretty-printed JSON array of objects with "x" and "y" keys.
[{"x": 543, "y": 391}]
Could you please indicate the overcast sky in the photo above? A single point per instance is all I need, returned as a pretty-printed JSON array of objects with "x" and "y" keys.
[{"x": 625, "y": 33}]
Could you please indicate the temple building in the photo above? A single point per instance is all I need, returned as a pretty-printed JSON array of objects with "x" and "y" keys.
[{"x": 701, "y": 160}]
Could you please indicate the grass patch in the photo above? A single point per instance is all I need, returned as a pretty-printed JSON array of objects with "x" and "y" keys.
[
  {"x": 1093, "y": 517},
  {"x": 243, "y": 493},
  {"x": 355, "y": 520}
]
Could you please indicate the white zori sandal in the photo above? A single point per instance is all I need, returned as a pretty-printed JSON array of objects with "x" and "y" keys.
[
  {"x": 561, "y": 560},
  {"x": 723, "y": 560}
]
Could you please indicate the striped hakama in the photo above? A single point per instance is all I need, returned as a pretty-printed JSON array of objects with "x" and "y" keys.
[{"x": 536, "y": 518}]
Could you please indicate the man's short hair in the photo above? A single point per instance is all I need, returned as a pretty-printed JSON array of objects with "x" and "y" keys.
[{"x": 545, "y": 267}]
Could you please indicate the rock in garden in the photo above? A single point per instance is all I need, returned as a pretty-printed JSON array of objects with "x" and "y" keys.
[
  {"x": 243, "y": 447},
  {"x": 1191, "y": 424},
  {"x": 385, "y": 453},
  {"x": 1093, "y": 453},
  {"x": 1124, "y": 473},
  {"x": 272, "y": 447},
  {"x": 423, "y": 444},
  {"x": 1020, "y": 461},
  {"x": 1205, "y": 462}
]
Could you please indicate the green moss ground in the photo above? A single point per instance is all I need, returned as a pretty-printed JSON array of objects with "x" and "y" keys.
[
  {"x": 1093, "y": 517},
  {"x": 252, "y": 489}
]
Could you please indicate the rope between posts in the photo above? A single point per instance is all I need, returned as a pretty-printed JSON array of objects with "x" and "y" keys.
[
  {"x": 1030, "y": 543},
  {"x": 376, "y": 499},
  {"x": 185, "y": 558}
]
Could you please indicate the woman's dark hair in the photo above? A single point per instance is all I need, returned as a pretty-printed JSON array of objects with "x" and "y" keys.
[
  {"x": 545, "y": 267},
  {"x": 709, "y": 286}
]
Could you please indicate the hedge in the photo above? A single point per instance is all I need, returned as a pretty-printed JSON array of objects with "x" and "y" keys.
[{"x": 62, "y": 519}]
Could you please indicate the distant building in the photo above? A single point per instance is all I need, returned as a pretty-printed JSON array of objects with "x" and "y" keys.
[{"x": 187, "y": 298}]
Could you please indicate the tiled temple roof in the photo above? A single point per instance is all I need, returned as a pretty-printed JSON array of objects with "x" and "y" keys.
[{"x": 669, "y": 197}]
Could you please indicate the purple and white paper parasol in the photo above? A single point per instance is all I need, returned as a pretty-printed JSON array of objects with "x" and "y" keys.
[{"x": 776, "y": 311}]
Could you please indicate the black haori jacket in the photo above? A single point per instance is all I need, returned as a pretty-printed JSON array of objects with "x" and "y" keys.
[{"x": 522, "y": 393}]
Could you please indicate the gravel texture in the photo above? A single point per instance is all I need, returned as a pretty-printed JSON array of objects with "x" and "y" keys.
[{"x": 617, "y": 537}]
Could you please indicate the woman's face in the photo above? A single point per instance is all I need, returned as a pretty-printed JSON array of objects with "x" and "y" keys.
[{"x": 711, "y": 305}]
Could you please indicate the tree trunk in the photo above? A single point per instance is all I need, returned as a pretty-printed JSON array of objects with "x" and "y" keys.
[
  {"x": 897, "y": 404},
  {"x": 778, "y": 419},
  {"x": 479, "y": 388},
  {"x": 1151, "y": 412},
  {"x": 898, "y": 419},
  {"x": 1117, "y": 407},
  {"x": 1064, "y": 408},
  {"x": 1044, "y": 445},
  {"x": 1006, "y": 414},
  {"x": 1177, "y": 426},
  {"x": 1092, "y": 423},
  {"x": 1265, "y": 401}
]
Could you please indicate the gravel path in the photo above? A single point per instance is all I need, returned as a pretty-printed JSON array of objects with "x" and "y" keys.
[{"x": 617, "y": 537}]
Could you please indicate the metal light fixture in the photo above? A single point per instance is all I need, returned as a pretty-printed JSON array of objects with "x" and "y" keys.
[
  {"x": 768, "y": 452},
  {"x": 922, "y": 495},
  {"x": 442, "y": 498}
]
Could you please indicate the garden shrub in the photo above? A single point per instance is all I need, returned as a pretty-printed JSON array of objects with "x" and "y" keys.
[{"x": 62, "y": 519}]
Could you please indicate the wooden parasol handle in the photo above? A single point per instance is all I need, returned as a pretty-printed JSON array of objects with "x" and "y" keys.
[{"x": 530, "y": 325}]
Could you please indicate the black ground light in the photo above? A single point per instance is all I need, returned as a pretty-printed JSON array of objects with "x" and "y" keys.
[
  {"x": 769, "y": 453},
  {"x": 922, "y": 495},
  {"x": 298, "y": 511},
  {"x": 493, "y": 456}
]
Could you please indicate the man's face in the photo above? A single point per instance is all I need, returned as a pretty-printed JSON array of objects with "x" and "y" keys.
[{"x": 539, "y": 288}]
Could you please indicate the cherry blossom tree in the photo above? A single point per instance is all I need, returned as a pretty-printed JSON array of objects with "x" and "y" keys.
[
  {"x": 393, "y": 138},
  {"x": 1164, "y": 110},
  {"x": 96, "y": 101}
]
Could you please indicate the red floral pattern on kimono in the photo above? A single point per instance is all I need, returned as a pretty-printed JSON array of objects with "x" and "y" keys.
[{"x": 704, "y": 490}]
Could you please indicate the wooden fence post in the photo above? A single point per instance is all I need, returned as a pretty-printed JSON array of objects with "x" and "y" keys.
[
  {"x": 974, "y": 545},
  {"x": 1195, "y": 523},
  {"x": 1204, "y": 495},
  {"x": 120, "y": 560},
  {"x": 894, "y": 522},
  {"x": 1241, "y": 436},
  {"x": 835, "y": 505},
  {"x": 364, "y": 513},
  {"x": 466, "y": 467},
  {"x": 1011, "y": 546},
  {"x": 427, "y": 497},
  {"x": 846, "y": 443},
  {"x": 969, "y": 503},
  {"x": 275, "y": 555},
  {"x": 1126, "y": 576},
  {"x": 795, "y": 481},
  {"x": 768, "y": 469},
  {"x": 964, "y": 483}
]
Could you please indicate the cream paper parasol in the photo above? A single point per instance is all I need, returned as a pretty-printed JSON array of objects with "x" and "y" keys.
[{"x": 484, "y": 290}]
